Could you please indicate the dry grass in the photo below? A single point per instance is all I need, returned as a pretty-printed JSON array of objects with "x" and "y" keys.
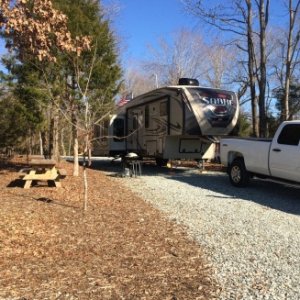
[{"x": 121, "y": 248}]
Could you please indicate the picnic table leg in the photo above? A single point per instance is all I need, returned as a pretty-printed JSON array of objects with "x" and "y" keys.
[
  {"x": 57, "y": 183},
  {"x": 27, "y": 184}
]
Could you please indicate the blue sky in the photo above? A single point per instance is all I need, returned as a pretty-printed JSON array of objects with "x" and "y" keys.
[
  {"x": 143, "y": 22},
  {"x": 140, "y": 23}
]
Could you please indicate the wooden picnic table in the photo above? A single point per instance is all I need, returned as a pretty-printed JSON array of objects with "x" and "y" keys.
[
  {"x": 43, "y": 170},
  {"x": 42, "y": 163}
]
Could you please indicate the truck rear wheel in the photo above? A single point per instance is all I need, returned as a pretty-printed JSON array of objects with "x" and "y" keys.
[{"x": 238, "y": 175}]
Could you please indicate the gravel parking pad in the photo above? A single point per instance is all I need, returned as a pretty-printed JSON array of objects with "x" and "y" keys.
[{"x": 251, "y": 235}]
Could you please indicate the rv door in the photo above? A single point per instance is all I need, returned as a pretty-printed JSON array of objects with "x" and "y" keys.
[
  {"x": 117, "y": 144},
  {"x": 135, "y": 130}
]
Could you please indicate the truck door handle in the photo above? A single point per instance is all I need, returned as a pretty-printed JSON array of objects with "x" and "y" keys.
[{"x": 276, "y": 150}]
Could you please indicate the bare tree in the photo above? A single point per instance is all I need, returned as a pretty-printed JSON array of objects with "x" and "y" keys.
[
  {"x": 137, "y": 81},
  {"x": 293, "y": 39},
  {"x": 184, "y": 57},
  {"x": 189, "y": 56},
  {"x": 219, "y": 64},
  {"x": 251, "y": 66},
  {"x": 236, "y": 17},
  {"x": 263, "y": 9}
]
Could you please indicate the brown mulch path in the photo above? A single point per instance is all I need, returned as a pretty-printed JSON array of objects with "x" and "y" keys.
[{"x": 121, "y": 248}]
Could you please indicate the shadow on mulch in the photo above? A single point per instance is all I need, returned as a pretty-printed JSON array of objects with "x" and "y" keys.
[
  {"x": 20, "y": 184},
  {"x": 44, "y": 199},
  {"x": 16, "y": 183}
]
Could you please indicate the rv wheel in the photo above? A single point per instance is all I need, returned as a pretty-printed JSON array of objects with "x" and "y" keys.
[{"x": 161, "y": 162}]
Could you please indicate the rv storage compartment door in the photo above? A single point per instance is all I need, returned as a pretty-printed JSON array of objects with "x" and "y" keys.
[
  {"x": 185, "y": 147},
  {"x": 188, "y": 145}
]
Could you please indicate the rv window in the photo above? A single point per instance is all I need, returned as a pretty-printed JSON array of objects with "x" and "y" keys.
[
  {"x": 118, "y": 130},
  {"x": 147, "y": 116},
  {"x": 163, "y": 108}
]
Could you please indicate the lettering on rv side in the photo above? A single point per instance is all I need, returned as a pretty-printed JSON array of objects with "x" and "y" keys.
[{"x": 217, "y": 101}]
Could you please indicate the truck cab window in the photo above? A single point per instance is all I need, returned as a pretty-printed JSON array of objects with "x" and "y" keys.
[
  {"x": 118, "y": 129},
  {"x": 290, "y": 135}
]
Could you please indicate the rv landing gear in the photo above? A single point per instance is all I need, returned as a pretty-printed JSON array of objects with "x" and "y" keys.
[{"x": 161, "y": 162}]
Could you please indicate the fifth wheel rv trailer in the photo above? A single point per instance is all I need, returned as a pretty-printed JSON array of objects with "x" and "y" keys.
[{"x": 174, "y": 122}]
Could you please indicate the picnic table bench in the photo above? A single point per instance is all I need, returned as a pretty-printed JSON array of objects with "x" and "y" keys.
[{"x": 42, "y": 170}]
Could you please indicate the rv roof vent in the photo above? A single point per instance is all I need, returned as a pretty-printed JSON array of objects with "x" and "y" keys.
[{"x": 188, "y": 81}]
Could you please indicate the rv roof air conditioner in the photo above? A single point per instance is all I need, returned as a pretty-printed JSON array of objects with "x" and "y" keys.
[{"x": 188, "y": 81}]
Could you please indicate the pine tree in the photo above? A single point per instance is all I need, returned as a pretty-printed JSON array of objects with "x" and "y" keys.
[
  {"x": 93, "y": 78},
  {"x": 54, "y": 87},
  {"x": 293, "y": 99}
]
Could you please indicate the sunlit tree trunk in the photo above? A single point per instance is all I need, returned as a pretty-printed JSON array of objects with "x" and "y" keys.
[
  {"x": 251, "y": 69},
  {"x": 75, "y": 144},
  {"x": 62, "y": 142},
  {"x": 41, "y": 144},
  {"x": 285, "y": 115},
  {"x": 263, "y": 20}
]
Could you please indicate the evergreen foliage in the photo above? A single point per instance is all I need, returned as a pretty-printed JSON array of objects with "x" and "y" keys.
[
  {"x": 40, "y": 90},
  {"x": 294, "y": 99},
  {"x": 85, "y": 18},
  {"x": 243, "y": 126}
]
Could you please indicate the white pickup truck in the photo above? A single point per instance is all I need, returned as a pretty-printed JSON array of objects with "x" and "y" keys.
[{"x": 277, "y": 158}]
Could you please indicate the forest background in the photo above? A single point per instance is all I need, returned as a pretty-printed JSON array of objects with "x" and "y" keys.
[{"x": 63, "y": 73}]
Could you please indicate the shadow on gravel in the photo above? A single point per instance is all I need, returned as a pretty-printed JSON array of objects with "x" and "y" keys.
[
  {"x": 269, "y": 194},
  {"x": 266, "y": 193}
]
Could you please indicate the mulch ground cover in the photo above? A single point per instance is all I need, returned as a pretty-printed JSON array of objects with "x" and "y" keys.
[{"x": 120, "y": 248}]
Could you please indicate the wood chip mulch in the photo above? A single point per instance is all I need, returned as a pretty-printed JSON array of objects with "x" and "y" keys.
[{"x": 121, "y": 248}]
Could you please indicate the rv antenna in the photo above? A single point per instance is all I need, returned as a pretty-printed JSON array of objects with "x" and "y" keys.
[{"x": 156, "y": 79}]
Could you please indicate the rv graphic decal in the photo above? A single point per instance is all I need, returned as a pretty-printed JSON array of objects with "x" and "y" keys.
[{"x": 219, "y": 108}]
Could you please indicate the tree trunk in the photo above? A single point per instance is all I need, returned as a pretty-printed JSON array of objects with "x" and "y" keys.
[
  {"x": 251, "y": 69},
  {"x": 62, "y": 142},
  {"x": 75, "y": 145},
  {"x": 50, "y": 138},
  {"x": 85, "y": 185},
  {"x": 85, "y": 179},
  {"x": 53, "y": 151},
  {"x": 41, "y": 144},
  {"x": 44, "y": 144},
  {"x": 51, "y": 132},
  {"x": 70, "y": 142},
  {"x": 263, "y": 21},
  {"x": 285, "y": 114},
  {"x": 56, "y": 153}
]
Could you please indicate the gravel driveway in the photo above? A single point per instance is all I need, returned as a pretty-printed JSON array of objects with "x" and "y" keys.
[{"x": 250, "y": 235}]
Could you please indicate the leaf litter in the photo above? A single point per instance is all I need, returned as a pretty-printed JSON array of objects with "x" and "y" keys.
[{"x": 120, "y": 248}]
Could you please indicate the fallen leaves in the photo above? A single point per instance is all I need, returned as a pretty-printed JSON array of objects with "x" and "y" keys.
[{"x": 121, "y": 248}]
